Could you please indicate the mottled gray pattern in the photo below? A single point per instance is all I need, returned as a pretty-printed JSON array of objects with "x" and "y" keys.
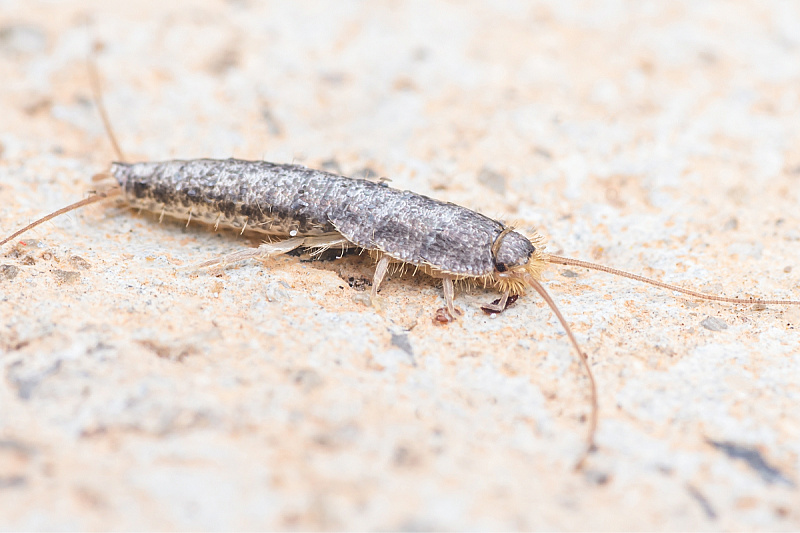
[{"x": 294, "y": 200}]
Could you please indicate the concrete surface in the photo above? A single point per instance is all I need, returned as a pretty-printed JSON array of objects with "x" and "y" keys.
[{"x": 659, "y": 137}]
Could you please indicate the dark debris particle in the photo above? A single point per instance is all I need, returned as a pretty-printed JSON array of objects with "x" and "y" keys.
[
  {"x": 171, "y": 353},
  {"x": 492, "y": 180},
  {"x": 22, "y": 39},
  {"x": 273, "y": 126},
  {"x": 16, "y": 446},
  {"x": 66, "y": 276},
  {"x": 306, "y": 378},
  {"x": 731, "y": 225},
  {"x": 754, "y": 460},
  {"x": 8, "y": 272},
  {"x": 10, "y": 482},
  {"x": 401, "y": 341},
  {"x": 333, "y": 77},
  {"x": 359, "y": 284},
  {"x": 713, "y": 323},
  {"x": 597, "y": 477},
  {"x": 331, "y": 165},
  {"x": 569, "y": 274},
  {"x": 703, "y": 502},
  {"x": 406, "y": 457},
  {"x": 338, "y": 437},
  {"x": 511, "y": 299},
  {"x": 37, "y": 105},
  {"x": 28, "y": 384},
  {"x": 225, "y": 60}
]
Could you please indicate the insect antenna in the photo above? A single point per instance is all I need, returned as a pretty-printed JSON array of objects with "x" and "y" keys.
[
  {"x": 568, "y": 261},
  {"x": 590, "y": 446},
  {"x": 97, "y": 93},
  {"x": 97, "y": 196}
]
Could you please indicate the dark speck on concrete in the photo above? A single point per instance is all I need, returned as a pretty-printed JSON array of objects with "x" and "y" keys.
[
  {"x": 492, "y": 180},
  {"x": 703, "y": 502},
  {"x": 22, "y": 39},
  {"x": 27, "y": 384},
  {"x": 331, "y": 165},
  {"x": 8, "y": 482},
  {"x": 401, "y": 341},
  {"x": 597, "y": 477},
  {"x": 754, "y": 460}
]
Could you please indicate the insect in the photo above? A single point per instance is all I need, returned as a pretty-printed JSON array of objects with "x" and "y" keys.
[{"x": 317, "y": 210}]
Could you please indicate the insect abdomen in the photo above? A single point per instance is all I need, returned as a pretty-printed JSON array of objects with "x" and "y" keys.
[
  {"x": 294, "y": 200},
  {"x": 262, "y": 196}
]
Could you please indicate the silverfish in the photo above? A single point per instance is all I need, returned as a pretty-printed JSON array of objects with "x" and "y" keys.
[{"x": 317, "y": 210}]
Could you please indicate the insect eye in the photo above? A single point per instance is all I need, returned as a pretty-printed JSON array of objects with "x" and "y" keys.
[{"x": 501, "y": 267}]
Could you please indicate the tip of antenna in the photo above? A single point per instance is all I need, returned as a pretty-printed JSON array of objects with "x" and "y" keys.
[
  {"x": 97, "y": 93},
  {"x": 96, "y": 197}
]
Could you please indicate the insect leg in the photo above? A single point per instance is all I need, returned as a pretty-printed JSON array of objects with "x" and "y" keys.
[
  {"x": 319, "y": 243},
  {"x": 380, "y": 273},
  {"x": 262, "y": 252},
  {"x": 449, "y": 295},
  {"x": 498, "y": 307}
]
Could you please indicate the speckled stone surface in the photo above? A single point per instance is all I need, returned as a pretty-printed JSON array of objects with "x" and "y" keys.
[{"x": 658, "y": 137}]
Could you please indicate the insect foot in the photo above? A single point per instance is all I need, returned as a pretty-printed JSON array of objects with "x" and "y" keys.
[
  {"x": 500, "y": 305},
  {"x": 376, "y": 301},
  {"x": 444, "y": 316}
]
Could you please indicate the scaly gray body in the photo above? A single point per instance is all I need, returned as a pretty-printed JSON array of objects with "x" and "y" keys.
[{"x": 290, "y": 200}]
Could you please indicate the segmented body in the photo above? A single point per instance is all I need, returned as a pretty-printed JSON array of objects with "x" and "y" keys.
[{"x": 293, "y": 200}]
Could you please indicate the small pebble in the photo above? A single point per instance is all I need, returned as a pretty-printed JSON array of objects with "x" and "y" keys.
[
  {"x": 8, "y": 272},
  {"x": 65, "y": 276},
  {"x": 713, "y": 323},
  {"x": 79, "y": 262}
]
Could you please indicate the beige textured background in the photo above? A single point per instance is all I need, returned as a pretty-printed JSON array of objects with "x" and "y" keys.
[{"x": 659, "y": 137}]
